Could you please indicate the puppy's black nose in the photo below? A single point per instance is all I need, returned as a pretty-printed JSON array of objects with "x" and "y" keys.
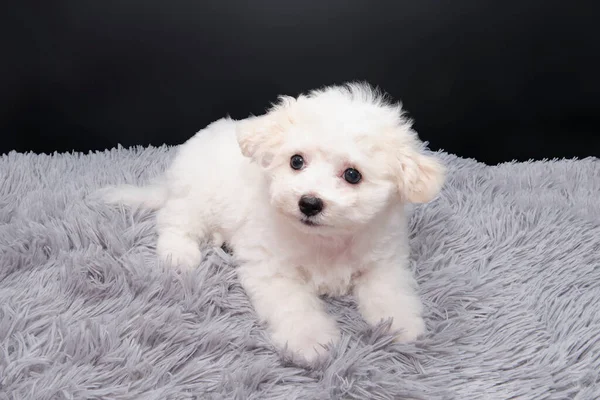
[{"x": 310, "y": 205}]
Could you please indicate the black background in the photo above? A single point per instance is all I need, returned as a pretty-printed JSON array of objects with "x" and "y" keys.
[{"x": 491, "y": 80}]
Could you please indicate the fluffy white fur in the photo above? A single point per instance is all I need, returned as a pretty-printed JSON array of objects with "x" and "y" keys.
[{"x": 232, "y": 182}]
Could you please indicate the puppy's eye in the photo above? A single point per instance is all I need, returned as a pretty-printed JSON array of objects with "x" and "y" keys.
[
  {"x": 352, "y": 176},
  {"x": 296, "y": 162}
]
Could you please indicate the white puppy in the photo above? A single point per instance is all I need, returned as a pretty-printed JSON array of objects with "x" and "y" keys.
[{"x": 310, "y": 197}]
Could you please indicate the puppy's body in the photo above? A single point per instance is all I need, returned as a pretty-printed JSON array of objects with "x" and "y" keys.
[{"x": 232, "y": 182}]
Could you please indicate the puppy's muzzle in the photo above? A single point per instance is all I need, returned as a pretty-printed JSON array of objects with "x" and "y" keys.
[{"x": 310, "y": 205}]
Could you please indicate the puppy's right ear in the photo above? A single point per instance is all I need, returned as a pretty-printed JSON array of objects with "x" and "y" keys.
[{"x": 260, "y": 137}]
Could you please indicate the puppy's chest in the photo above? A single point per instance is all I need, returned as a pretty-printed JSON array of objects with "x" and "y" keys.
[{"x": 328, "y": 274}]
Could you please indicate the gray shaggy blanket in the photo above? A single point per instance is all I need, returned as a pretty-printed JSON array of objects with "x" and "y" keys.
[{"x": 508, "y": 259}]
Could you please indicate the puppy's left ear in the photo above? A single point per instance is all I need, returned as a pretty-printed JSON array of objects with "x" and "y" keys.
[
  {"x": 260, "y": 137},
  {"x": 421, "y": 178}
]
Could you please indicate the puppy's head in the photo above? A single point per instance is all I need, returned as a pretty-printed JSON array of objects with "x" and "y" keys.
[{"x": 337, "y": 158}]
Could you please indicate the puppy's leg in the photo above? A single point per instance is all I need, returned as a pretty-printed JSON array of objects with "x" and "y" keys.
[
  {"x": 294, "y": 314},
  {"x": 179, "y": 233},
  {"x": 388, "y": 291}
]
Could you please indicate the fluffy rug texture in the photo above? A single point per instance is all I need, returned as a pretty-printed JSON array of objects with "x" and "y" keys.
[{"x": 508, "y": 260}]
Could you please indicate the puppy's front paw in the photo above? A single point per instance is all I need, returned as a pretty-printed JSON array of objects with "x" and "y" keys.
[
  {"x": 307, "y": 337},
  {"x": 408, "y": 329},
  {"x": 181, "y": 252}
]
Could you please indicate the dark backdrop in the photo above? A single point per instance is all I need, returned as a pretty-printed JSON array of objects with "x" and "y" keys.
[{"x": 492, "y": 80}]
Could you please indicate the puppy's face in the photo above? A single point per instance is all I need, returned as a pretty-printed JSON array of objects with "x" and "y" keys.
[
  {"x": 326, "y": 183},
  {"x": 337, "y": 159}
]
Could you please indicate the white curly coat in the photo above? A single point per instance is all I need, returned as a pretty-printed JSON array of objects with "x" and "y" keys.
[{"x": 232, "y": 182}]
